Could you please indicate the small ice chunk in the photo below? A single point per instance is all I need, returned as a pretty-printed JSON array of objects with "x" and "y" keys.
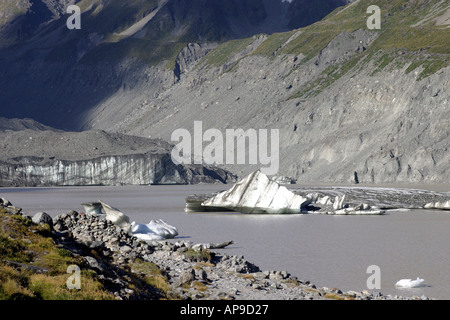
[
  {"x": 154, "y": 230},
  {"x": 409, "y": 283}
]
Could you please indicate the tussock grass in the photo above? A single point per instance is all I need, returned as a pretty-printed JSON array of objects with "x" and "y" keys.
[
  {"x": 273, "y": 43},
  {"x": 54, "y": 288},
  {"x": 152, "y": 275},
  {"x": 199, "y": 286},
  {"x": 198, "y": 256},
  {"x": 29, "y": 244},
  {"x": 424, "y": 45},
  {"x": 223, "y": 53}
]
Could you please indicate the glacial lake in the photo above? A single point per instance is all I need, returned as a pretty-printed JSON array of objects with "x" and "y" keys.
[{"x": 331, "y": 251}]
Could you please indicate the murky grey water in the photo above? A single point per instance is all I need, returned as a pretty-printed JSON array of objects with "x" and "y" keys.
[{"x": 332, "y": 251}]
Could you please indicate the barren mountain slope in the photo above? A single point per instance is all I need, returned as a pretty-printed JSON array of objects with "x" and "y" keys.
[{"x": 350, "y": 103}]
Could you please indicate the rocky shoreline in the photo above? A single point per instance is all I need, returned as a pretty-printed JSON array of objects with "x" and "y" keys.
[{"x": 193, "y": 271}]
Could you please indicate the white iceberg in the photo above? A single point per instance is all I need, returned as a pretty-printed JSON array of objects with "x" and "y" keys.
[
  {"x": 409, "y": 283},
  {"x": 155, "y": 230},
  {"x": 362, "y": 209},
  {"x": 256, "y": 193},
  {"x": 444, "y": 205},
  {"x": 93, "y": 208},
  {"x": 339, "y": 202},
  {"x": 116, "y": 217}
]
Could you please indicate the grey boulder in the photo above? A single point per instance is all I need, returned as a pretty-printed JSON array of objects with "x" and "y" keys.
[{"x": 42, "y": 217}]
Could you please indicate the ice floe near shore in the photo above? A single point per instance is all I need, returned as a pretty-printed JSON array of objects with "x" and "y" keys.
[
  {"x": 153, "y": 231},
  {"x": 116, "y": 217},
  {"x": 409, "y": 283}
]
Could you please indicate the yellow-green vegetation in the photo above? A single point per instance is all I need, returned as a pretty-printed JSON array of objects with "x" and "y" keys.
[
  {"x": 398, "y": 29},
  {"x": 198, "y": 255},
  {"x": 153, "y": 276},
  {"x": 26, "y": 244},
  {"x": 334, "y": 296},
  {"x": 273, "y": 43},
  {"x": 327, "y": 78},
  {"x": 226, "y": 50},
  {"x": 247, "y": 276},
  {"x": 199, "y": 286},
  {"x": 429, "y": 66},
  {"x": 407, "y": 26}
]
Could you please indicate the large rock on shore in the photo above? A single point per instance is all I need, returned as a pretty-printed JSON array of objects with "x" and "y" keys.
[
  {"x": 42, "y": 217},
  {"x": 8, "y": 207},
  {"x": 256, "y": 193}
]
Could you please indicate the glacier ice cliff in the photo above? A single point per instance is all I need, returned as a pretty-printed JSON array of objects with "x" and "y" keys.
[
  {"x": 35, "y": 155},
  {"x": 132, "y": 169}
]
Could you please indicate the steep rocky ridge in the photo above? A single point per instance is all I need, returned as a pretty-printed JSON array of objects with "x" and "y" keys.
[
  {"x": 178, "y": 20},
  {"x": 358, "y": 108},
  {"x": 65, "y": 74},
  {"x": 380, "y": 124},
  {"x": 21, "y": 19}
]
